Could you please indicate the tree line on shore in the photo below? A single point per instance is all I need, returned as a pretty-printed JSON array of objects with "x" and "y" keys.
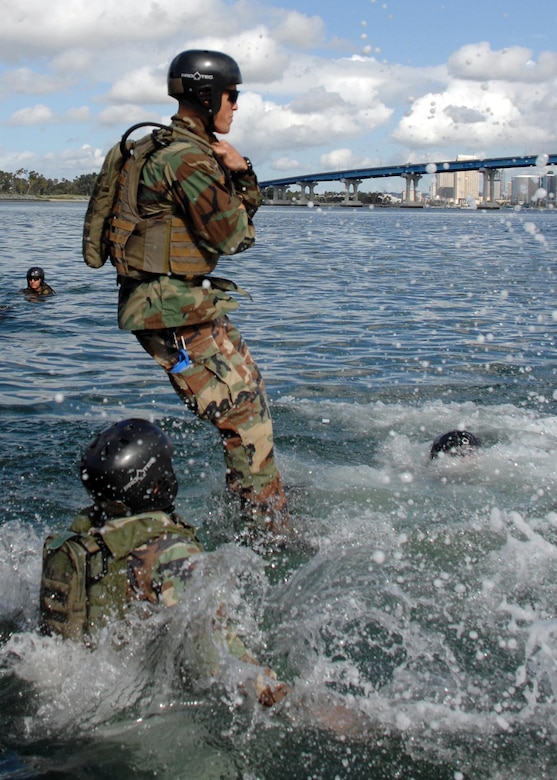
[{"x": 25, "y": 183}]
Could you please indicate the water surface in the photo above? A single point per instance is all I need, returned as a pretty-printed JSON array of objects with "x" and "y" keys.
[{"x": 423, "y": 605}]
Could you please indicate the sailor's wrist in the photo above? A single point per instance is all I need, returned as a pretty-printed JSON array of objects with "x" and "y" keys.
[{"x": 248, "y": 170}]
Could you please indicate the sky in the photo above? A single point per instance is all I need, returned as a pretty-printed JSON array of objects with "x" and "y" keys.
[{"x": 327, "y": 84}]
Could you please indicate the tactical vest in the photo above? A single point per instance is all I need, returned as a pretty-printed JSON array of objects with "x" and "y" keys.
[
  {"x": 85, "y": 576},
  {"x": 114, "y": 228}
]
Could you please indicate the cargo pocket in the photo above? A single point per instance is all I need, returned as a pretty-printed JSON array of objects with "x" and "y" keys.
[{"x": 212, "y": 378}]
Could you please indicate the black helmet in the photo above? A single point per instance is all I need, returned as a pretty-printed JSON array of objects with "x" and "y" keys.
[
  {"x": 35, "y": 273},
  {"x": 131, "y": 462},
  {"x": 198, "y": 77},
  {"x": 454, "y": 443}
]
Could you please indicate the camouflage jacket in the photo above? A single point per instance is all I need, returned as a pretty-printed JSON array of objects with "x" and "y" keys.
[
  {"x": 218, "y": 207},
  {"x": 44, "y": 289},
  {"x": 157, "y": 572},
  {"x": 155, "y": 569}
]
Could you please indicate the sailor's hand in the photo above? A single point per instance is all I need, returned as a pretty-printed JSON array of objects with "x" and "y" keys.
[
  {"x": 269, "y": 694},
  {"x": 230, "y": 156}
]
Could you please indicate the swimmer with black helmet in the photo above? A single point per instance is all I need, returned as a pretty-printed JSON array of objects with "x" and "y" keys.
[
  {"x": 36, "y": 285},
  {"x": 454, "y": 443}
]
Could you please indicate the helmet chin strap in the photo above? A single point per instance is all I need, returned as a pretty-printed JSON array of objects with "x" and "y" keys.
[{"x": 210, "y": 117}]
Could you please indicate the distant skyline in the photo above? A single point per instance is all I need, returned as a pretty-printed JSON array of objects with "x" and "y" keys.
[{"x": 326, "y": 85}]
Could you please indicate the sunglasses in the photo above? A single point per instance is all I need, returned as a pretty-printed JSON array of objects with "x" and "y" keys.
[{"x": 232, "y": 95}]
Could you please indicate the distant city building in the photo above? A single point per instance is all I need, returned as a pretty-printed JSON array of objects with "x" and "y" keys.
[
  {"x": 528, "y": 189},
  {"x": 524, "y": 188},
  {"x": 549, "y": 184},
  {"x": 462, "y": 187},
  {"x": 445, "y": 189},
  {"x": 500, "y": 186},
  {"x": 467, "y": 183},
  {"x": 458, "y": 187}
]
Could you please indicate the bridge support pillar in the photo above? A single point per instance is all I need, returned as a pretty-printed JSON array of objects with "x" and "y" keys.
[
  {"x": 307, "y": 188},
  {"x": 489, "y": 175},
  {"x": 412, "y": 180},
  {"x": 278, "y": 195},
  {"x": 350, "y": 199}
]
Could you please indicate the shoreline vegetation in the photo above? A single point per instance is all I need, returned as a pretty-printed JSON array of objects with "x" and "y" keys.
[
  {"x": 30, "y": 185},
  {"x": 42, "y": 198}
]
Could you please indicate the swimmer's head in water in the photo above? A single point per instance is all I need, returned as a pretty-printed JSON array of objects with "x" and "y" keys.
[
  {"x": 35, "y": 273},
  {"x": 454, "y": 443}
]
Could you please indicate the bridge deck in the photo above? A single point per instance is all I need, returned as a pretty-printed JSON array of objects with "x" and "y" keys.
[{"x": 419, "y": 168}]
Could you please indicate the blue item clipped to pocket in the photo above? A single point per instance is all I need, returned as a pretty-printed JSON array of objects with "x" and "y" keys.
[{"x": 183, "y": 361}]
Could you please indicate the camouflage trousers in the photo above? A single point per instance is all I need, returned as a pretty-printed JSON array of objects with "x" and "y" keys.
[{"x": 223, "y": 385}]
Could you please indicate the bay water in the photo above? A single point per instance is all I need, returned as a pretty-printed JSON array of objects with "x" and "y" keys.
[{"x": 416, "y": 622}]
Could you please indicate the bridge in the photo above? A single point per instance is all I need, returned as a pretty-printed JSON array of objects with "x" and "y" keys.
[{"x": 351, "y": 179}]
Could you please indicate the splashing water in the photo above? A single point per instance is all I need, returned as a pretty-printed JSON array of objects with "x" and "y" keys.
[{"x": 416, "y": 625}]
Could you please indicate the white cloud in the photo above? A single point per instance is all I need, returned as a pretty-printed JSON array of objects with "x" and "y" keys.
[
  {"x": 80, "y": 114},
  {"x": 343, "y": 159},
  {"x": 125, "y": 115},
  {"x": 13, "y": 161},
  {"x": 285, "y": 164},
  {"x": 25, "y": 81},
  {"x": 464, "y": 114},
  {"x": 489, "y": 100},
  {"x": 269, "y": 126},
  {"x": 444, "y": 118},
  {"x": 144, "y": 85},
  {"x": 73, "y": 62},
  {"x": 84, "y": 159},
  {"x": 41, "y": 115},
  {"x": 37, "y": 115},
  {"x": 40, "y": 27},
  {"x": 317, "y": 99},
  {"x": 300, "y": 31},
  {"x": 478, "y": 62},
  {"x": 261, "y": 57}
]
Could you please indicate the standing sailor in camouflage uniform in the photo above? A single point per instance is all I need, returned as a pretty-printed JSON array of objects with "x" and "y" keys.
[{"x": 196, "y": 197}]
